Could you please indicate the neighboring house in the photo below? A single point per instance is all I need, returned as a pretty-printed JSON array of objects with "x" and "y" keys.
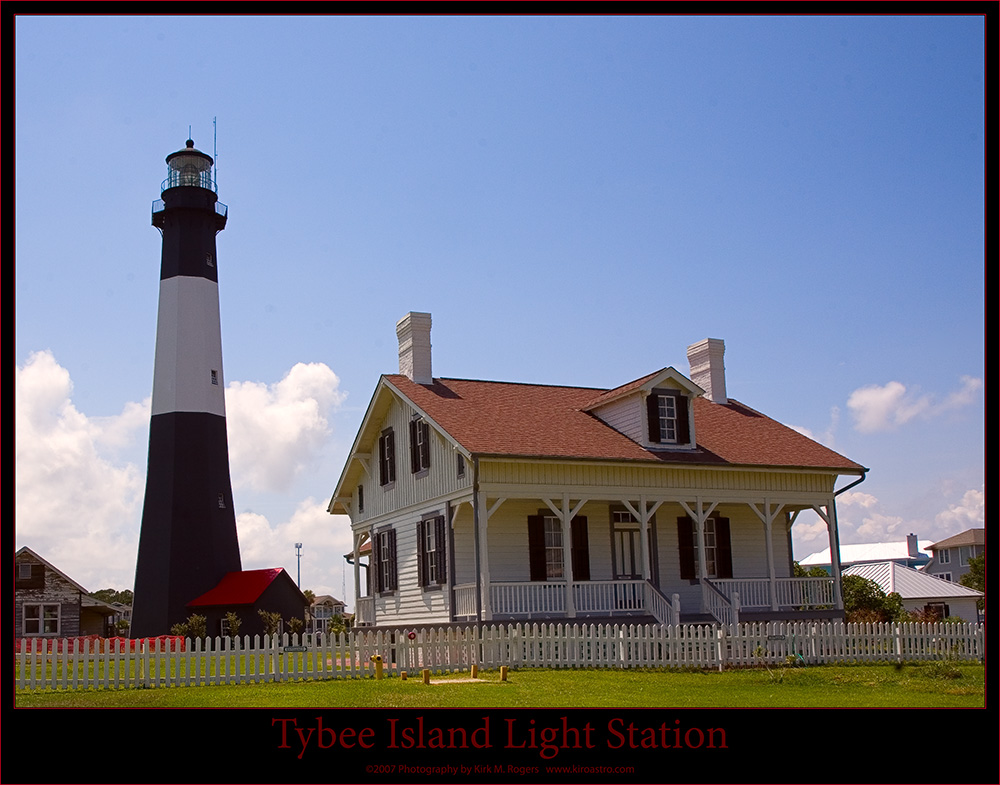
[
  {"x": 323, "y": 609},
  {"x": 50, "y": 604},
  {"x": 247, "y": 593},
  {"x": 950, "y": 557},
  {"x": 493, "y": 501},
  {"x": 920, "y": 591},
  {"x": 909, "y": 553}
]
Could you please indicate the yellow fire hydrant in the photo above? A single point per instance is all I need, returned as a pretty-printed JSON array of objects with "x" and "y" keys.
[{"x": 377, "y": 659}]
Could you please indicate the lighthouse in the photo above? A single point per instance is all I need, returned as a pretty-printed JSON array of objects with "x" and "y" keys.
[{"x": 188, "y": 541}]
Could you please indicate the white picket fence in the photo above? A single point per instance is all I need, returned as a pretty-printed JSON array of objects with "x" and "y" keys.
[{"x": 86, "y": 664}]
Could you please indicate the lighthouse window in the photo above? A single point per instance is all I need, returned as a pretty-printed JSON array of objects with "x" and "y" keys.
[
  {"x": 215, "y": 377},
  {"x": 208, "y": 260},
  {"x": 222, "y": 501}
]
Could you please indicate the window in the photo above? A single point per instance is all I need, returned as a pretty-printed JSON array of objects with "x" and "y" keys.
[
  {"x": 718, "y": 549},
  {"x": 384, "y": 547},
  {"x": 215, "y": 378},
  {"x": 432, "y": 563},
  {"x": 946, "y": 576},
  {"x": 24, "y": 571},
  {"x": 939, "y": 610},
  {"x": 667, "y": 414},
  {"x": 222, "y": 501},
  {"x": 546, "y": 554},
  {"x": 944, "y": 556},
  {"x": 420, "y": 445},
  {"x": 387, "y": 457},
  {"x": 460, "y": 465},
  {"x": 361, "y": 498},
  {"x": 41, "y": 619}
]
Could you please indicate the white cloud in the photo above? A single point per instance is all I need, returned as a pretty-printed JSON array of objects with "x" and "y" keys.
[
  {"x": 78, "y": 504},
  {"x": 858, "y": 498},
  {"x": 276, "y": 431},
  {"x": 827, "y": 437},
  {"x": 969, "y": 513},
  {"x": 883, "y": 408},
  {"x": 74, "y": 506},
  {"x": 325, "y": 538}
]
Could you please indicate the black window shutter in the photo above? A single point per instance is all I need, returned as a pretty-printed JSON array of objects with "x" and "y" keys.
[
  {"x": 390, "y": 441},
  {"x": 379, "y": 572},
  {"x": 536, "y": 547},
  {"x": 681, "y": 405},
  {"x": 653, "y": 417},
  {"x": 392, "y": 560},
  {"x": 580, "y": 549},
  {"x": 421, "y": 553},
  {"x": 723, "y": 549},
  {"x": 440, "y": 553},
  {"x": 685, "y": 546},
  {"x": 414, "y": 450}
]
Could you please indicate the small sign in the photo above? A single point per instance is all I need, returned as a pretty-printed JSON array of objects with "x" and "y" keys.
[
  {"x": 775, "y": 637},
  {"x": 294, "y": 648}
]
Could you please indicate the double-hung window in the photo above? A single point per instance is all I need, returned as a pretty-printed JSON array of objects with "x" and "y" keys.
[
  {"x": 420, "y": 445},
  {"x": 384, "y": 547},
  {"x": 432, "y": 534},
  {"x": 387, "y": 457},
  {"x": 667, "y": 417}
]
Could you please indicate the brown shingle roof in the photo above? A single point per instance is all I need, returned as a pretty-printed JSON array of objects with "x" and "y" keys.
[
  {"x": 503, "y": 418},
  {"x": 968, "y": 537}
]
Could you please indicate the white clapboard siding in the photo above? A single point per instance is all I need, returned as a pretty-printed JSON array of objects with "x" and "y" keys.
[{"x": 71, "y": 664}]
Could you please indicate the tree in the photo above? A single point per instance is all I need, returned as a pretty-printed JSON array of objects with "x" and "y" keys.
[
  {"x": 124, "y": 596},
  {"x": 196, "y": 626},
  {"x": 798, "y": 571},
  {"x": 295, "y": 625},
  {"x": 975, "y": 578},
  {"x": 864, "y": 601},
  {"x": 233, "y": 621},
  {"x": 271, "y": 619},
  {"x": 310, "y": 596}
]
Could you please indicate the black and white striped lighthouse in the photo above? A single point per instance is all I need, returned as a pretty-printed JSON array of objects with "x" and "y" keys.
[{"x": 188, "y": 539}]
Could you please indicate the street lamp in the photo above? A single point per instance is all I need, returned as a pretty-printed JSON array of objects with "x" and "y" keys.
[{"x": 298, "y": 560}]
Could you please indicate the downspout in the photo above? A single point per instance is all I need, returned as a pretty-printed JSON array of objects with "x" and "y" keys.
[{"x": 475, "y": 538}]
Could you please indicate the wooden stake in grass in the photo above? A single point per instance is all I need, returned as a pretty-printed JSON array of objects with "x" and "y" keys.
[
  {"x": 402, "y": 675},
  {"x": 475, "y": 671},
  {"x": 427, "y": 675},
  {"x": 503, "y": 673},
  {"x": 377, "y": 659}
]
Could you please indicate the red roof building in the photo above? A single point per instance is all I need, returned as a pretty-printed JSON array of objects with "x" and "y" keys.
[
  {"x": 246, "y": 594},
  {"x": 662, "y": 499}
]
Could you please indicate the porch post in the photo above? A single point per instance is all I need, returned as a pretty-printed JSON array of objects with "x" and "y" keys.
[
  {"x": 482, "y": 515},
  {"x": 357, "y": 570},
  {"x": 647, "y": 567},
  {"x": 699, "y": 534},
  {"x": 831, "y": 525},
  {"x": 768, "y": 521},
  {"x": 567, "y": 530}
]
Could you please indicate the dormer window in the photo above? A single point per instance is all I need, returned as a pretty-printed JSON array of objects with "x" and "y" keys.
[{"x": 667, "y": 413}]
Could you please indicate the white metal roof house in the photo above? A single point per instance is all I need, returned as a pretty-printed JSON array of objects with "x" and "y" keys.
[
  {"x": 951, "y": 556},
  {"x": 661, "y": 499},
  {"x": 920, "y": 591},
  {"x": 909, "y": 553}
]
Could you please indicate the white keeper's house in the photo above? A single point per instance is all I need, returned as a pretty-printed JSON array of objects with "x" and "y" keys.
[{"x": 659, "y": 500}]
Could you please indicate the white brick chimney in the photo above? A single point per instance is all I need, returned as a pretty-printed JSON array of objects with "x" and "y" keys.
[
  {"x": 707, "y": 368},
  {"x": 414, "y": 333},
  {"x": 912, "y": 546}
]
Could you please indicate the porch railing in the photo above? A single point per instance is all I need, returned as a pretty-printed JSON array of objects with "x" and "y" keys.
[
  {"x": 725, "y": 608},
  {"x": 659, "y": 607},
  {"x": 609, "y": 597},
  {"x": 465, "y": 600},
  {"x": 755, "y": 593},
  {"x": 527, "y": 598},
  {"x": 364, "y": 610}
]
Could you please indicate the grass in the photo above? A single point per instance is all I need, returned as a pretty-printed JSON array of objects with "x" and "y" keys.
[{"x": 932, "y": 684}]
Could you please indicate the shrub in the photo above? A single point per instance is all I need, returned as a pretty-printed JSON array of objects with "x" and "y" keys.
[
  {"x": 196, "y": 626},
  {"x": 272, "y": 621}
]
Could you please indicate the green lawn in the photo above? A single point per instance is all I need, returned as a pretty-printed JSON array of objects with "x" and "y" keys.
[{"x": 926, "y": 685}]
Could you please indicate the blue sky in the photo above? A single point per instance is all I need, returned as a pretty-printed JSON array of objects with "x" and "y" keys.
[{"x": 575, "y": 200}]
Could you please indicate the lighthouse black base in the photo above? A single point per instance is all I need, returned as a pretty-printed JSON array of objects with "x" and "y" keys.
[{"x": 188, "y": 540}]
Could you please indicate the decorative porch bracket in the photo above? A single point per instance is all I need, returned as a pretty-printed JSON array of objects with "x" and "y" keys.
[
  {"x": 767, "y": 518},
  {"x": 830, "y": 517},
  {"x": 643, "y": 515},
  {"x": 566, "y": 516},
  {"x": 699, "y": 515}
]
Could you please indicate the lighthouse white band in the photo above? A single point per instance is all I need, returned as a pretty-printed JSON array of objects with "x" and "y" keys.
[{"x": 187, "y": 376}]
